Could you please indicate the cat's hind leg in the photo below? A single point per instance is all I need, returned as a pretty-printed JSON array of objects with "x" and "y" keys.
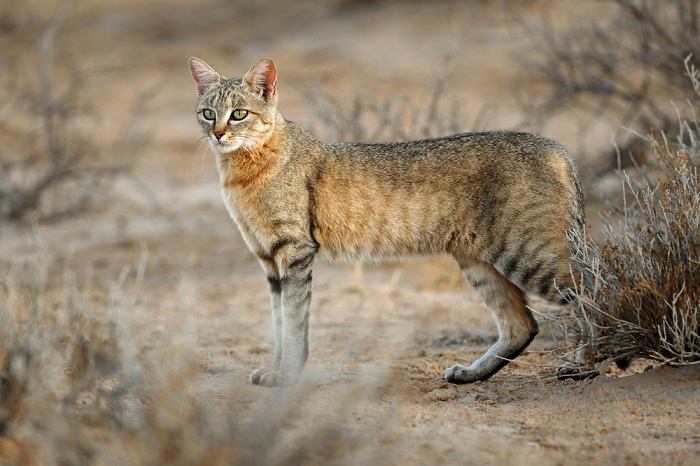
[{"x": 516, "y": 325}]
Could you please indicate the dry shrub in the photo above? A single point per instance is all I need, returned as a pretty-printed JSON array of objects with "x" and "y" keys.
[
  {"x": 51, "y": 163},
  {"x": 83, "y": 382},
  {"x": 639, "y": 293},
  {"x": 619, "y": 65},
  {"x": 381, "y": 114}
]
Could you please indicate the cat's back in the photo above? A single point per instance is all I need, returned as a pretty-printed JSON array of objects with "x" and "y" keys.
[
  {"x": 492, "y": 147},
  {"x": 489, "y": 156}
]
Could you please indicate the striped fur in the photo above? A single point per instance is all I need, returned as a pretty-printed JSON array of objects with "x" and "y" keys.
[{"x": 501, "y": 203}]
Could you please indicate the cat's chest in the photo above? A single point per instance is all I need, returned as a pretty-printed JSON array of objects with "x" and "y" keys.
[
  {"x": 264, "y": 217},
  {"x": 250, "y": 214}
]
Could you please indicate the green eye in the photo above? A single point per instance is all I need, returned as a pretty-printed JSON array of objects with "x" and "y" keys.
[
  {"x": 239, "y": 114},
  {"x": 209, "y": 114}
]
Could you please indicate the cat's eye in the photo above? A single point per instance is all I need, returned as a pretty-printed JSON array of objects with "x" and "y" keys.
[
  {"x": 239, "y": 114},
  {"x": 209, "y": 114}
]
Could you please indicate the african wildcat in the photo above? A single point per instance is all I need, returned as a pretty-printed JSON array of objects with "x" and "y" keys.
[{"x": 500, "y": 203}]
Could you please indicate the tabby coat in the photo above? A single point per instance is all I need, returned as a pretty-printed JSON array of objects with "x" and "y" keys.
[{"x": 501, "y": 203}]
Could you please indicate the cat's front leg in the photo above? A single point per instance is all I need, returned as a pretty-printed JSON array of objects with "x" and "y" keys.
[
  {"x": 270, "y": 376},
  {"x": 296, "y": 276},
  {"x": 295, "y": 272}
]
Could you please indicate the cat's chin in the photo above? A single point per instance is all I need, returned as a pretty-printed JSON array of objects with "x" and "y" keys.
[{"x": 224, "y": 148}]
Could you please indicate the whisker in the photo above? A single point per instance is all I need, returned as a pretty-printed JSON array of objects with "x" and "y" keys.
[{"x": 202, "y": 145}]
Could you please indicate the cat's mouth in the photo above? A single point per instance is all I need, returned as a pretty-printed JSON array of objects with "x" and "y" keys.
[{"x": 224, "y": 146}]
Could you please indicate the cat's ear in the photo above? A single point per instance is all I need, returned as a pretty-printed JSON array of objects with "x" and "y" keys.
[
  {"x": 203, "y": 74},
  {"x": 262, "y": 77}
]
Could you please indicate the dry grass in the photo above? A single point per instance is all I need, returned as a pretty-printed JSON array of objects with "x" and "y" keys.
[
  {"x": 80, "y": 383},
  {"x": 639, "y": 293}
]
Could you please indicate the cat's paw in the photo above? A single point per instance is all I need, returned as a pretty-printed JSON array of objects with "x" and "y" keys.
[
  {"x": 461, "y": 374},
  {"x": 268, "y": 378},
  {"x": 570, "y": 370}
]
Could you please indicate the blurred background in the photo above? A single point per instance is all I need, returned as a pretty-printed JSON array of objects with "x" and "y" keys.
[
  {"x": 105, "y": 81},
  {"x": 108, "y": 189}
]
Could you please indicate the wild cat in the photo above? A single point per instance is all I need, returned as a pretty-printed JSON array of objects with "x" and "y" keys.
[{"x": 501, "y": 203}]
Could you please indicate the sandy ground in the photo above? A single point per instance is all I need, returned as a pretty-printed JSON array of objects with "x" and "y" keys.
[{"x": 395, "y": 326}]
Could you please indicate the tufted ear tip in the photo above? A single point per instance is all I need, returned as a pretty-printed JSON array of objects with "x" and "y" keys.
[{"x": 262, "y": 77}]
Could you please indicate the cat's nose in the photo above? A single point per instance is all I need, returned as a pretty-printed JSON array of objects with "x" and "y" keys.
[{"x": 218, "y": 134}]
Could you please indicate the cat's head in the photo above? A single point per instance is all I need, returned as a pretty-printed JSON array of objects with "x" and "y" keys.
[{"x": 236, "y": 113}]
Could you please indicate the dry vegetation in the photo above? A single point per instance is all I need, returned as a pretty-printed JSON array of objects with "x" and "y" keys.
[
  {"x": 639, "y": 291},
  {"x": 80, "y": 384},
  {"x": 52, "y": 163},
  {"x": 639, "y": 284},
  {"x": 380, "y": 114},
  {"x": 623, "y": 66},
  {"x": 101, "y": 363}
]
